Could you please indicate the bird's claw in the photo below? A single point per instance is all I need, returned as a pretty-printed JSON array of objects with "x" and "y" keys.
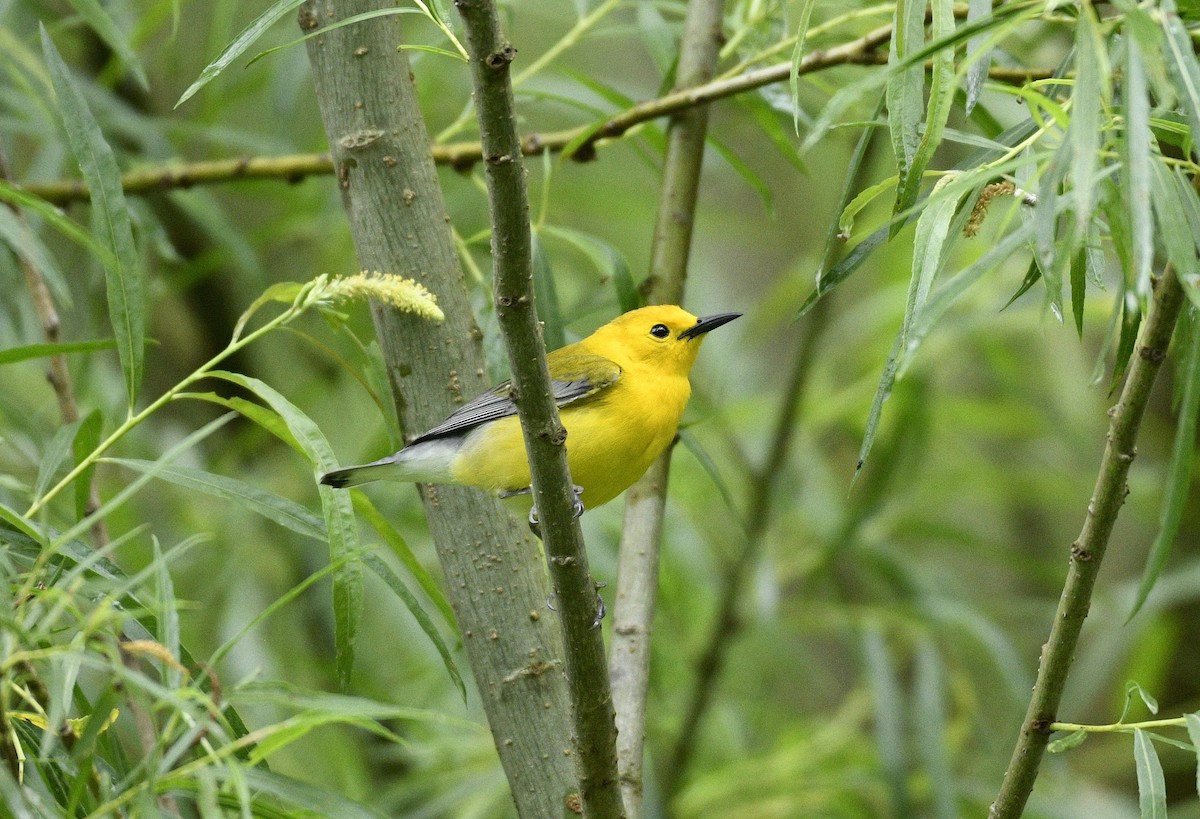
[
  {"x": 535, "y": 524},
  {"x": 601, "y": 607}
]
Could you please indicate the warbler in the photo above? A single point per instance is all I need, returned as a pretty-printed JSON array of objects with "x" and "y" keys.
[{"x": 621, "y": 393}]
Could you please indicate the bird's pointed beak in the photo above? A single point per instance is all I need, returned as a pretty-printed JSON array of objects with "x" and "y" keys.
[{"x": 707, "y": 323}]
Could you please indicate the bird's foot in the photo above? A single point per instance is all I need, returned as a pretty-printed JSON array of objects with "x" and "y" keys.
[
  {"x": 601, "y": 607},
  {"x": 535, "y": 524}
]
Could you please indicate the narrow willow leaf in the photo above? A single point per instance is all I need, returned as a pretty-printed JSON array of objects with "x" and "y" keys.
[
  {"x": 26, "y": 245},
  {"x": 303, "y": 796},
  {"x": 110, "y": 213},
  {"x": 1152, "y": 789},
  {"x": 393, "y": 582},
  {"x": 806, "y": 8},
  {"x": 889, "y": 717},
  {"x": 941, "y": 99},
  {"x": 1182, "y": 66},
  {"x": 1079, "y": 264},
  {"x": 977, "y": 73},
  {"x": 257, "y": 413},
  {"x": 694, "y": 446},
  {"x": 87, "y": 438},
  {"x": 842, "y": 270},
  {"x": 1091, "y": 60},
  {"x": 57, "y": 220},
  {"x": 1138, "y": 159},
  {"x": 400, "y": 548},
  {"x": 929, "y": 721},
  {"x": 30, "y": 351},
  {"x": 168, "y": 620},
  {"x": 1131, "y": 320},
  {"x": 1170, "y": 194},
  {"x": 864, "y": 197},
  {"x": 1179, "y": 475},
  {"x": 609, "y": 261},
  {"x": 1032, "y": 276},
  {"x": 905, "y": 86},
  {"x": 1063, "y": 744},
  {"x": 887, "y": 380},
  {"x": 98, "y": 21},
  {"x": 243, "y": 41},
  {"x": 546, "y": 297},
  {"x": 746, "y": 172},
  {"x": 1134, "y": 689},
  {"x": 933, "y": 227},
  {"x": 351, "y": 20},
  {"x": 285, "y": 512},
  {"x": 52, "y": 457},
  {"x": 1193, "y": 729},
  {"x": 340, "y": 524}
]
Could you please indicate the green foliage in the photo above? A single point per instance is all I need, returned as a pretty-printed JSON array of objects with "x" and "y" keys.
[{"x": 943, "y": 452}]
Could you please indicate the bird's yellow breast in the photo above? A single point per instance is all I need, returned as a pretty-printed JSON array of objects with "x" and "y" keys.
[{"x": 612, "y": 438}]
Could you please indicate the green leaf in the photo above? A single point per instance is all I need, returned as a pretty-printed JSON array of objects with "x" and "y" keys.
[
  {"x": 64, "y": 225},
  {"x": 1193, "y": 729},
  {"x": 393, "y": 582},
  {"x": 980, "y": 59},
  {"x": 52, "y": 457},
  {"x": 393, "y": 538},
  {"x": 546, "y": 297},
  {"x": 309, "y": 799},
  {"x": 1063, "y": 744},
  {"x": 842, "y": 270},
  {"x": 1132, "y": 689},
  {"x": 710, "y": 468},
  {"x": 805, "y": 15},
  {"x": 286, "y": 513},
  {"x": 1152, "y": 789},
  {"x": 243, "y": 41},
  {"x": 356, "y": 18},
  {"x": 1131, "y": 320},
  {"x": 1170, "y": 194},
  {"x": 887, "y": 380},
  {"x": 110, "y": 213},
  {"x": 609, "y": 261},
  {"x": 28, "y": 351},
  {"x": 1179, "y": 474},
  {"x": 941, "y": 99},
  {"x": 1182, "y": 66},
  {"x": 98, "y": 20},
  {"x": 1138, "y": 159},
  {"x": 24, "y": 242},
  {"x": 168, "y": 620},
  {"x": 1078, "y": 287},
  {"x": 87, "y": 438},
  {"x": 1032, "y": 276},
  {"x": 257, "y": 413},
  {"x": 1092, "y": 87},
  {"x": 340, "y": 524},
  {"x": 929, "y": 243},
  {"x": 747, "y": 173},
  {"x": 905, "y": 86}
]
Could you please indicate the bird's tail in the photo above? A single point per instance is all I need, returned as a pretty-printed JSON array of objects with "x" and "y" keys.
[{"x": 427, "y": 462}]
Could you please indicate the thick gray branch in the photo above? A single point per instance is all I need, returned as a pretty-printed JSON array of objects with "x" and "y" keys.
[{"x": 397, "y": 217}]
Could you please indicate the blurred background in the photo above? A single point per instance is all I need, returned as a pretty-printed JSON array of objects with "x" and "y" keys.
[{"x": 888, "y": 637}]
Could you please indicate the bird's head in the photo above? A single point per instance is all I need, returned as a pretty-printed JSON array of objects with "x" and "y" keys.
[{"x": 663, "y": 337}]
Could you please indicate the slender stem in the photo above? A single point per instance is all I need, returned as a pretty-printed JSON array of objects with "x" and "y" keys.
[
  {"x": 1117, "y": 727},
  {"x": 463, "y": 155},
  {"x": 134, "y": 419},
  {"x": 637, "y": 570},
  {"x": 1087, "y": 551},
  {"x": 512, "y": 260}
]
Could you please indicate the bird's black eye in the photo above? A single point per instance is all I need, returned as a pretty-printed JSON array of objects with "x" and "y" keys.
[{"x": 660, "y": 331}]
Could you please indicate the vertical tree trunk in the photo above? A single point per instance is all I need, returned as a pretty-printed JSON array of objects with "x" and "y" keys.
[{"x": 495, "y": 579}]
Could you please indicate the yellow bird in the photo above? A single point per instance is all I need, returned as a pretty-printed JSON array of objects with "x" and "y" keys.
[{"x": 621, "y": 393}]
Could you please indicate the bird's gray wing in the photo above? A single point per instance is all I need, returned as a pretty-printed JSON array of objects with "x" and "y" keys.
[{"x": 578, "y": 379}]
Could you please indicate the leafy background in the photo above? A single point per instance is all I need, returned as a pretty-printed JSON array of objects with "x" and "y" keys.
[{"x": 889, "y": 633}]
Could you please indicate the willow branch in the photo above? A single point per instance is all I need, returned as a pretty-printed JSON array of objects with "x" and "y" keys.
[
  {"x": 761, "y": 491},
  {"x": 1087, "y": 551},
  {"x": 637, "y": 569},
  {"x": 512, "y": 260},
  {"x": 463, "y": 155}
]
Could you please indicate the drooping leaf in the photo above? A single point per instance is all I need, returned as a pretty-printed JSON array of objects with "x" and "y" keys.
[
  {"x": 287, "y": 513},
  {"x": 905, "y": 86},
  {"x": 805, "y": 15},
  {"x": 30, "y": 351},
  {"x": 546, "y": 297},
  {"x": 1064, "y": 744},
  {"x": 340, "y": 524},
  {"x": 1182, "y": 66},
  {"x": 1152, "y": 789},
  {"x": 106, "y": 29},
  {"x": 608, "y": 260},
  {"x": 124, "y": 277},
  {"x": 26, "y": 244},
  {"x": 243, "y": 41},
  {"x": 747, "y": 173},
  {"x": 1193, "y": 729},
  {"x": 889, "y": 717},
  {"x": 978, "y": 72},
  {"x": 1179, "y": 474},
  {"x": 1078, "y": 287},
  {"x": 87, "y": 438},
  {"x": 1137, "y": 161},
  {"x": 930, "y": 726},
  {"x": 393, "y": 582},
  {"x": 52, "y": 457},
  {"x": 1092, "y": 87},
  {"x": 351, "y": 20}
]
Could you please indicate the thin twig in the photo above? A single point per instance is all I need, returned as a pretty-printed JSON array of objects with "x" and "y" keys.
[
  {"x": 637, "y": 570},
  {"x": 462, "y": 155},
  {"x": 1087, "y": 551},
  {"x": 58, "y": 374},
  {"x": 512, "y": 260}
]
